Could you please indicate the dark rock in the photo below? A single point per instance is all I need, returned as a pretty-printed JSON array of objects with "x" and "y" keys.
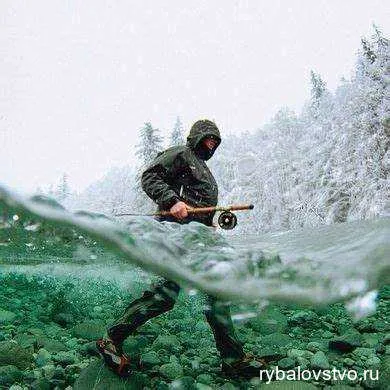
[
  {"x": 304, "y": 318},
  {"x": 64, "y": 319},
  {"x": 13, "y": 354},
  {"x": 370, "y": 340},
  {"x": 134, "y": 344},
  {"x": 286, "y": 363},
  {"x": 373, "y": 361},
  {"x": 65, "y": 358},
  {"x": 9, "y": 375},
  {"x": 149, "y": 359},
  {"x": 89, "y": 349},
  {"x": 73, "y": 369},
  {"x": 43, "y": 357},
  {"x": 25, "y": 340},
  {"x": 276, "y": 340},
  {"x": 89, "y": 330},
  {"x": 170, "y": 343},
  {"x": 319, "y": 361},
  {"x": 343, "y": 326},
  {"x": 48, "y": 371},
  {"x": 171, "y": 370},
  {"x": 349, "y": 362},
  {"x": 270, "y": 320},
  {"x": 386, "y": 339},
  {"x": 53, "y": 345},
  {"x": 314, "y": 346},
  {"x": 346, "y": 343},
  {"x": 7, "y": 317},
  {"x": 206, "y": 379},
  {"x": 297, "y": 353},
  {"x": 41, "y": 384},
  {"x": 384, "y": 293},
  {"x": 364, "y": 353},
  {"x": 367, "y": 325},
  {"x": 269, "y": 354},
  {"x": 57, "y": 384},
  {"x": 98, "y": 377},
  {"x": 59, "y": 373}
]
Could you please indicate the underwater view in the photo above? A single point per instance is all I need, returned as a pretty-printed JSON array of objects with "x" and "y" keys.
[
  {"x": 317, "y": 300},
  {"x": 195, "y": 195}
]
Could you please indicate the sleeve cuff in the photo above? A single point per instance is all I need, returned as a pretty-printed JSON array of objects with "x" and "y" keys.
[{"x": 171, "y": 202}]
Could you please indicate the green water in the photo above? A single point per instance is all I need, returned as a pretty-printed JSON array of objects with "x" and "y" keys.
[{"x": 64, "y": 277}]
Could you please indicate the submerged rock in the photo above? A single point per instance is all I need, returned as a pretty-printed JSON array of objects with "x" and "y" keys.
[
  {"x": 171, "y": 370},
  {"x": 89, "y": 330},
  {"x": 347, "y": 342},
  {"x": 319, "y": 361},
  {"x": 286, "y": 363},
  {"x": 184, "y": 383},
  {"x": 288, "y": 385},
  {"x": 6, "y": 317},
  {"x": 98, "y": 377},
  {"x": 276, "y": 340},
  {"x": 384, "y": 378},
  {"x": 271, "y": 320},
  {"x": 9, "y": 375},
  {"x": 150, "y": 358},
  {"x": 304, "y": 318},
  {"x": 65, "y": 358},
  {"x": 43, "y": 357},
  {"x": 13, "y": 354},
  {"x": 169, "y": 343},
  {"x": 64, "y": 319},
  {"x": 52, "y": 345}
]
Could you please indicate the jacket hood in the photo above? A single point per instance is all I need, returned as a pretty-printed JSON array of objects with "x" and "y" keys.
[{"x": 200, "y": 130}]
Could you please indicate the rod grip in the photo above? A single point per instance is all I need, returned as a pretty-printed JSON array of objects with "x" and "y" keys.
[{"x": 204, "y": 210}]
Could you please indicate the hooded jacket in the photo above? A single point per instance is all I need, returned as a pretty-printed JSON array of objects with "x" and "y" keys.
[{"x": 180, "y": 173}]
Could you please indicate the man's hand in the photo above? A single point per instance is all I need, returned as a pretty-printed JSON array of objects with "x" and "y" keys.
[{"x": 180, "y": 210}]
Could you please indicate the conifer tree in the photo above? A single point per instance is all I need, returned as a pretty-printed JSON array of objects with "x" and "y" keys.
[
  {"x": 318, "y": 86},
  {"x": 63, "y": 190},
  {"x": 177, "y": 135},
  {"x": 318, "y": 92},
  {"x": 150, "y": 145},
  {"x": 147, "y": 150}
]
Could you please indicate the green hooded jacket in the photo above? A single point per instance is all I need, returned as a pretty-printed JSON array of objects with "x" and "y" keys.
[{"x": 180, "y": 173}]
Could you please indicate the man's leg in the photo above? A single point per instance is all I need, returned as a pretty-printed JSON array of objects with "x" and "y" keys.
[
  {"x": 160, "y": 299},
  {"x": 218, "y": 316}
]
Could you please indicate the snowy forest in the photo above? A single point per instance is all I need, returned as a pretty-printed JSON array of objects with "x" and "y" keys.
[{"x": 328, "y": 164}]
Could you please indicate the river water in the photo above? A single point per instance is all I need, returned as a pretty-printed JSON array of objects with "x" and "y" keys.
[{"x": 340, "y": 263}]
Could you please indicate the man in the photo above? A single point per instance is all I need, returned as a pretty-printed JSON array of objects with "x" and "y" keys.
[{"x": 177, "y": 180}]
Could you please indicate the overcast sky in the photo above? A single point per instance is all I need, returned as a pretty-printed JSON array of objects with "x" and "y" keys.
[{"x": 79, "y": 78}]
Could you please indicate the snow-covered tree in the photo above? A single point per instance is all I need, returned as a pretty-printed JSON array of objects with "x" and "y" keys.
[
  {"x": 63, "y": 190},
  {"x": 150, "y": 143},
  {"x": 177, "y": 135},
  {"x": 328, "y": 164}
]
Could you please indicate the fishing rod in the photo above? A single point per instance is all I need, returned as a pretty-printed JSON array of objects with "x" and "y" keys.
[{"x": 226, "y": 220}]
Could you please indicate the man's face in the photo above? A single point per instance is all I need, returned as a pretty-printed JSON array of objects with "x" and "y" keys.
[{"x": 210, "y": 143}]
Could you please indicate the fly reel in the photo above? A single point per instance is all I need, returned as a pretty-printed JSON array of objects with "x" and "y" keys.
[{"x": 227, "y": 220}]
